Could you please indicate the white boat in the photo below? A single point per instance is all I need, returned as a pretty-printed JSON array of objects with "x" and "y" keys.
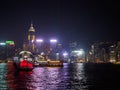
[{"x": 24, "y": 60}]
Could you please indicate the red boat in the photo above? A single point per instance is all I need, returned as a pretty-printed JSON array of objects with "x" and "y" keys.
[{"x": 25, "y": 60}]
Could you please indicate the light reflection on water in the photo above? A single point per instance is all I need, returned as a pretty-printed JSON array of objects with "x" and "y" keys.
[
  {"x": 68, "y": 77},
  {"x": 3, "y": 73}
]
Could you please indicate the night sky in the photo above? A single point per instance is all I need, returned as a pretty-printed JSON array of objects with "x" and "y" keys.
[{"x": 68, "y": 20}]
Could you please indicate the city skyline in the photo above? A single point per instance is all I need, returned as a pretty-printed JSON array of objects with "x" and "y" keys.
[{"x": 83, "y": 21}]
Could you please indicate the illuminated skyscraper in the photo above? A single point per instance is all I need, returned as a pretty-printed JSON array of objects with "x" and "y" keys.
[{"x": 31, "y": 38}]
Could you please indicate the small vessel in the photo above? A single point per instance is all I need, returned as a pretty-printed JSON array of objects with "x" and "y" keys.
[{"x": 24, "y": 60}]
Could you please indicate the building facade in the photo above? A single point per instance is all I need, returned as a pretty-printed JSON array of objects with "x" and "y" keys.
[{"x": 30, "y": 43}]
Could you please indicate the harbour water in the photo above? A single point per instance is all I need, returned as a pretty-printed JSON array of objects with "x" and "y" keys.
[{"x": 74, "y": 76}]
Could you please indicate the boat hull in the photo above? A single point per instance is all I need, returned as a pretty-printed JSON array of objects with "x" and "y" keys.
[{"x": 24, "y": 65}]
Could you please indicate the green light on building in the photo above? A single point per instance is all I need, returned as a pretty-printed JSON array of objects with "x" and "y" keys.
[{"x": 10, "y": 42}]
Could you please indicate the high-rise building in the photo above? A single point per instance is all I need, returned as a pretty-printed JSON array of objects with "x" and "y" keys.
[{"x": 31, "y": 38}]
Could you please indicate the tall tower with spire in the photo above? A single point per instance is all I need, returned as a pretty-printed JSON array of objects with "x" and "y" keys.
[{"x": 31, "y": 38}]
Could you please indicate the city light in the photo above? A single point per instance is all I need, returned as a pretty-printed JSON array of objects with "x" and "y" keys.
[
  {"x": 53, "y": 40},
  {"x": 78, "y": 52},
  {"x": 32, "y": 41},
  {"x": 2, "y": 44},
  {"x": 10, "y": 42},
  {"x": 65, "y": 54},
  {"x": 39, "y": 40},
  {"x": 7, "y": 43},
  {"x": 42, "y": 53}
]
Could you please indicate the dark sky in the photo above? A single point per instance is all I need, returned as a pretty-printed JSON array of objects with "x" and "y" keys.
[{"x": 68, "y": 20}]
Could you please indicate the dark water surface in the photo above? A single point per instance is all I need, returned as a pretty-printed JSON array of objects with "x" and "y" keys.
[{"x": 77, "y": 76}]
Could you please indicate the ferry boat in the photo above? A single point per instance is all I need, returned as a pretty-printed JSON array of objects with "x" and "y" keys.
[{"x": 25, "y": 60}]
